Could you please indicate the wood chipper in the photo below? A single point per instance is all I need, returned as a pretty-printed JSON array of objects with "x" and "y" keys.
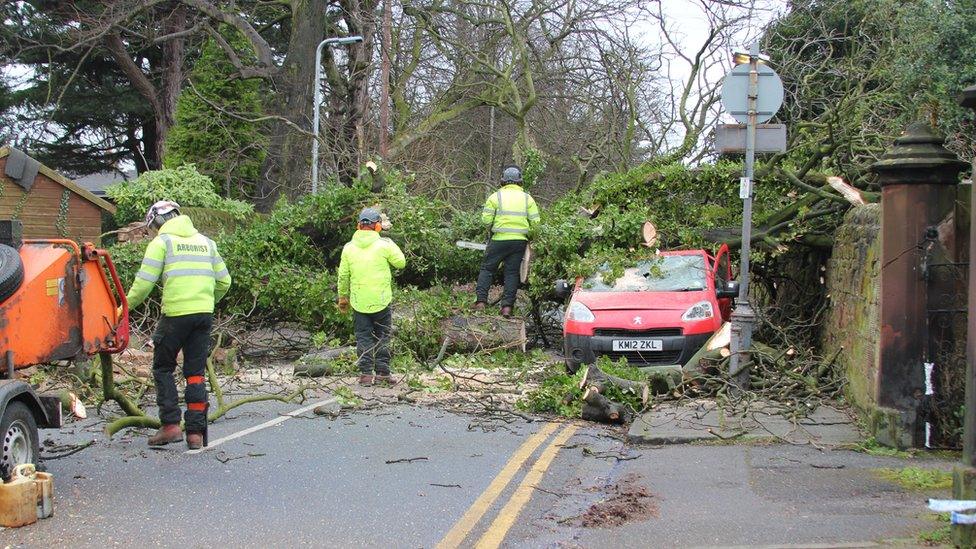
[{"x": 58, "y": 301}]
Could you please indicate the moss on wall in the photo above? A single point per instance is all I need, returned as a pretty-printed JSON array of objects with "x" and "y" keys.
[{"x": 851, "y": 329}]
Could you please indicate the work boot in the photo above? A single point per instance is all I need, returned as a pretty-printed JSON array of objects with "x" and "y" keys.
[
  {"x": 507, "y": 311},
  {"x": 383, "y": 380},
  {"x": 479, "y": 305},
  {"x": 194, "y": 441},
  {"x": 365, "y": 380},
  {"x": 166, "y": 434}
]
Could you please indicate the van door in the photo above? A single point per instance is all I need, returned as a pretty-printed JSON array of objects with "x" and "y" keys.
[{"x": 722, "y": 274}]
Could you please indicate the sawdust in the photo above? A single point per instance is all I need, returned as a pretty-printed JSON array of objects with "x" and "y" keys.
[{"x": 627, "y": 500}]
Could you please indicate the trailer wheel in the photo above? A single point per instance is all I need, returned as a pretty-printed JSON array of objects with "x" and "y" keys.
[
  {"x": 11, "y": 271},
  {"x": 20, "y": 440}
]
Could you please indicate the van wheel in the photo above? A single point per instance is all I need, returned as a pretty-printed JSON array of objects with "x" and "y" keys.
[
  {"x": 20, "y": 439},
  {"x": 11, "y": 271}
]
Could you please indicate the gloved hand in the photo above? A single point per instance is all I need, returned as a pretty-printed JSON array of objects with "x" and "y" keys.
[
  {"x": 385, "y": 222},
  {"x": 343, "y": 305}
]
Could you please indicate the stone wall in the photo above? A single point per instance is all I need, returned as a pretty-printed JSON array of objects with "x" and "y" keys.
[{"x": 851, "y": 328}]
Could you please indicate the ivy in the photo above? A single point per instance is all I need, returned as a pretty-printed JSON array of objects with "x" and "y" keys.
[{"x": 62, "y": 222}]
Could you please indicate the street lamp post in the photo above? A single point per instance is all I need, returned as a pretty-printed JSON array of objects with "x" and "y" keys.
[{"x": 318, "y": 100}]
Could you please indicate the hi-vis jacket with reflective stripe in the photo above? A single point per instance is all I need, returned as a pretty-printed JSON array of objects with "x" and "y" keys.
[
  {"x": 511, "y": 212},
  {"x": 194, "y": 275}
]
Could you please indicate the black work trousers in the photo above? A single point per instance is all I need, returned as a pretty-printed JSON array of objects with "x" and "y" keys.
[
  {"x": 373, "y": 341},
  {"x": 510, "y": 252},
  {"x": 191, "y": 334}
]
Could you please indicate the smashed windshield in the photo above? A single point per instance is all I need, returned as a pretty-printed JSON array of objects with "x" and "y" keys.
[{"x": 667, "y": 273}]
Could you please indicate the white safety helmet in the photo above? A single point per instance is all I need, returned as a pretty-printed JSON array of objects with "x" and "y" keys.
[{"x": 160, "y": 211}]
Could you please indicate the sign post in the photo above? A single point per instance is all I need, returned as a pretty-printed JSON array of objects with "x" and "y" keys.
[{"x": 751, "y": 93}]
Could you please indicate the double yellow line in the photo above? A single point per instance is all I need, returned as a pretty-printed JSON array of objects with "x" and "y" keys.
[{"x": 496, "y": 532}]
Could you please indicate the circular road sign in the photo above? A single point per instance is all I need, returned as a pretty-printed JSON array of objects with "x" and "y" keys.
[{"x": 735, "y": 92}]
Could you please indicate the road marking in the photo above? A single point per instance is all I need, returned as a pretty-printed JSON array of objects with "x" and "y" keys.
[
  {"x": 265, "y": 425},
  {"x": 463, "y": 527},
  {"x": 495, "y": 534}
]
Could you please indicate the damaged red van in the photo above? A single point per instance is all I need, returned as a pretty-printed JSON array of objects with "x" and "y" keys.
[{"x": 659, "y": 313}]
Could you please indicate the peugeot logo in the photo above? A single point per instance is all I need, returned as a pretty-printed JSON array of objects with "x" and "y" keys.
[{"x": 638, "y": 321}]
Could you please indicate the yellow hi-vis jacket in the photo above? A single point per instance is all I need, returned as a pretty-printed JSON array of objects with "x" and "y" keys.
[
  {"x": 364, "y": 271},
  {"x": 194, "y": 275},
  {"x": 511, "y": 212}
]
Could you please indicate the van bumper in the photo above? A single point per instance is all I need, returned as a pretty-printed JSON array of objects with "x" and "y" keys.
[{"x": 581, "y": 349}]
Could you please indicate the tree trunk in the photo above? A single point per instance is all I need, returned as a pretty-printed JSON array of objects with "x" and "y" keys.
[
  {"x": 286, "y": 167},
  {"x": 385, "y": 79},
  {"x": 484, "y": 333}
]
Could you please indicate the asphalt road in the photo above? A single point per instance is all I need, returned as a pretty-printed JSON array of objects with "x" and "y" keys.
[{"x": 323, "y": 482}]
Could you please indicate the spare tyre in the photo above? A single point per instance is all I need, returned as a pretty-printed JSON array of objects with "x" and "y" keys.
[{"x": 11, "y": 271}]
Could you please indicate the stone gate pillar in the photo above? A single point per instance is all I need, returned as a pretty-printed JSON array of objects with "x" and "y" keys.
[{"x": 918, "y": 177}]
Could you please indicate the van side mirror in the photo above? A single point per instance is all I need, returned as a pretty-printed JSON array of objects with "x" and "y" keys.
[
  {"x": 561, "y": 291},
  {"x": 731, "y": 289}
]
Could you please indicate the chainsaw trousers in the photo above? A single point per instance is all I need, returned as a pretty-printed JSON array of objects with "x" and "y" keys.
[
  {"x": 190, "y": 334},
  {"x": 509, "y": 252},
  {"x": 373, "y": 341}
]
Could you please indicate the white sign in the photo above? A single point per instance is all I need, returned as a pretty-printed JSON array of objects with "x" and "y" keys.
[
  {"x": 745, "y": 187},
  {"x": 735, "y": 93}
]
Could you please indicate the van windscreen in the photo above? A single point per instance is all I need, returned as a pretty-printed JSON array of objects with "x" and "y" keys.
[{"x": 667, "y": 273}]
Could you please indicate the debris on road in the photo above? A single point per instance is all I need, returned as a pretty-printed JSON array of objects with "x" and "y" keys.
[
  {"x": 627, "y": 500},
  {"x": 406, "y": 460}
]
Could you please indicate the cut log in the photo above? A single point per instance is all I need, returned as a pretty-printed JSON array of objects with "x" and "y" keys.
[
  {"x": 850, "y": 192},
  {"x": 716, "y": 347},
  {"x": 597, "y": 407},
  {"x": 597, "y": 378},
  {"x": 321, "y": 363},
  {"x": 526, "y": 261},
  {"x": 484, "y": 333},
  {"x": 649, "y": 233}
]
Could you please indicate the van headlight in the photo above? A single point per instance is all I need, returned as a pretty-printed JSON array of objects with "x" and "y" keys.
[
  {"x": 699, "y": 311},
  {"x": 580, "y": 312}
]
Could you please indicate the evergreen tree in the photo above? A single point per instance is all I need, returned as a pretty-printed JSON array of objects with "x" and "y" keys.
[{"x": 212, "y": 128}]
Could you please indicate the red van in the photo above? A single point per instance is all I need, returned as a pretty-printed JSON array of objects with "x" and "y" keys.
[{"x": 660, "y": 312}]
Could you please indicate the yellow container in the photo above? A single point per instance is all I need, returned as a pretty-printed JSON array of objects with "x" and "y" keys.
[
  {"x": 18, "y": 502},
  {"x": 44, "y": 483}
]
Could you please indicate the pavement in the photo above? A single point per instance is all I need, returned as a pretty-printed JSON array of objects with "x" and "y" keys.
[
  {"x": 415, "y": 476},
  {"x": 682, "y": 422}
]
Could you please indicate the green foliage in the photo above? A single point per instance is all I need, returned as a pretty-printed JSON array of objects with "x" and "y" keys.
[
  {"x": 347, "y": 398},
  {"x": 917, "y": 478},
  {"x": 533, "y": 166},
  {"x": 938, "y": 536},
  {"x": 558, "y": 394},
  {"x": 419, "y": 318},
  {"x": 224, "y": 147},
  {"x": 184, "y": 184},
  {"x": 683, "y": 203}
]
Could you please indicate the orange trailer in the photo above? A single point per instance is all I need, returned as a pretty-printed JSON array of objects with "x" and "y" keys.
[{"x": 58, "y": 301}]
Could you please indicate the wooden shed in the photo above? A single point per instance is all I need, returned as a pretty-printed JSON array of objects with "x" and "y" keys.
[{"x": 47, "y": 203}]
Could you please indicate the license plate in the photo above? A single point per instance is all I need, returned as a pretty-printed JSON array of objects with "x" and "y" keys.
[{"x": 638, "y": 345}]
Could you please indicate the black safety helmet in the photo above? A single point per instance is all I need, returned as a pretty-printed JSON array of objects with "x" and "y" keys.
[{"x": 511, "y": 174}]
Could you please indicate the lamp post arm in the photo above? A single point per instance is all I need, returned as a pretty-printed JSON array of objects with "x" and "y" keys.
[{"x": 317, "y": 101}]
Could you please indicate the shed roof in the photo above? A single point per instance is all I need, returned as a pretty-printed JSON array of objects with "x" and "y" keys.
[{"x": 67, "y": 183}]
